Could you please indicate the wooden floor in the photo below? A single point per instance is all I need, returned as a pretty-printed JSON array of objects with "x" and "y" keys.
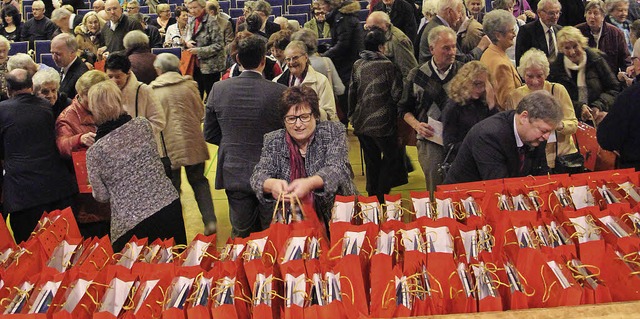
[{"x": 193, "y": 219}]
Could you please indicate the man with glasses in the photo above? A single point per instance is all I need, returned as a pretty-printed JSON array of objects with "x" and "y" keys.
[
  {"x": 508, "y": 144},
  {"x": 39, "y": 27},
  {"x": 239, "y": 112},
  {"x": 133, "y": 7},
  {"x": 540, "y": 34},
  {"x": 317, "y": 23},
  {"x": 116, "y": 28}
]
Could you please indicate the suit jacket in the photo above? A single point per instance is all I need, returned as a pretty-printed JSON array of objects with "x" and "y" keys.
[
  {"x": 34, "y": 172},
  {"x": 489, "y": 151},
  {"x": 68, "y": 84},
  {"x": 531, "y": 35},
  {"x": 237, "y": 121}
]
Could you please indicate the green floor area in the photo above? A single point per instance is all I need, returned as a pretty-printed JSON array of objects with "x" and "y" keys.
[{"x": 192, "y": 218}]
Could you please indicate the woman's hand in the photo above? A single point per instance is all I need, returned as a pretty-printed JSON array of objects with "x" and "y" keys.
[
  {"x": 585, "y": 115},
  {"x": 303, "y": 186},
  {"x": 87, "y": 139},
  {"x": 277, "y": 187}
]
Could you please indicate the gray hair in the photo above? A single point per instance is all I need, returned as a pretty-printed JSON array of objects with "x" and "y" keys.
[
  {"x": 448, "y": 4},
  {"x": 5, "y": 42},
  {"x": 381, "y": 16},
  {"x": 541, "y": 105},
  {"x": 533, "y": 58},
  {"x": 59, "y": 14},
  {"x": 436, "y": 34},
  {"x": 135, "y": 39},
  {"x": 22, "y": 61},
  {"x": 202, "y": 3},
  {"x": 69, "y": 41},
  {"x": 46, "y": 76},
  {"x": 297, "y": 45},
  {"x": 497, "y": 21},
  {"x": 38, "y": 3},
  {"x": 636, "y": 48},
  {"x": 612, "y": 4},
  {"x": 429, "y": 7},
  {"x": 133, "y": 2},
  {"x": 309, "y": 38},
  {"x": 167, "y": 62},
  {"x": 503, "y": 4},
  {"x": 543, "y": 3},
  {"x": 594, "y": 4},
  {"x": 263, "y": 6}
]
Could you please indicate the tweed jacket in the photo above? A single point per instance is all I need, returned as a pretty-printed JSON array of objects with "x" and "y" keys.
[
  {"x": 209, "y": 43},
  {"x": 125, "y": 169},
  {"x": 327, "y": 156}
]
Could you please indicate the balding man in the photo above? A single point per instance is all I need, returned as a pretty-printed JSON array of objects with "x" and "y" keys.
[
  {"x": 98, "y": 6},
  {"x": 35, "y": 179},
  {"x": 402, "y": 15},
  {"x": 39, "y": 27},
  {"x": 116, "y": 28},
  {"x": 63, "y": 50},
  {"x": 398, "y": 47}
]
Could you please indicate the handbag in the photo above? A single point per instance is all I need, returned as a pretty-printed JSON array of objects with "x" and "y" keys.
[
  {"x": 166, "y": 161},
  {"x": 444, "y": 167},
  {"x": 570, "y": 163}
]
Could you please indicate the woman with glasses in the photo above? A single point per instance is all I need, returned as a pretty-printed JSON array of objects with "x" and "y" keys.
[
  {"x": 164, "y": 19},
  {"x": 318, "y": 24},
  {"x": 376, "y": 88},
  {"x": 299, "y": 72},
  {"x": 308, "y": 159}
]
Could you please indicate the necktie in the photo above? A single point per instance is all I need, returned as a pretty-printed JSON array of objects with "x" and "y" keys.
[
  {"x": 552, "y": 45},
  {"x": 521, "y": 156}
]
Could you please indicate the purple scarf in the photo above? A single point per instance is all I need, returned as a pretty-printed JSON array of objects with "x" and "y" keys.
[{"x": 296, "y": 162}]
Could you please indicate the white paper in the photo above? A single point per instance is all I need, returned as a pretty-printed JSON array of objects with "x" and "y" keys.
[
  {"x": 422, "y": 207},
  {"x": 130, "y": 255},
  {"x": 581, "y": 197},
  {"x": 524, "y": 238},
  {"x": 50, "y": 287},
  {"x": 558, "y": 272},
  {"x": 437, "y": 131},
  {"x": 295, "y": 289},
  {"x": 385, "y": 242},
  {"x": 146, "y": 287},
  {"x": 630, "y": 190},
  {"x": 412, "y": 240},
  {"x": 615, "y": 226},
  {"x": 19, "y": 299},
  {"x": 195, "y": 253},
  {"x": 73, "y": 297},
  {"x": 444, "y": 208},
  {"x": 352, "y": 242},
  {"x": 483, "y": 280},
  {"x": 402, "y": 292},
  {"x": 465, "y": 278},
  {"x": 370, "y": 212},
  {"x": 438, "y": 240},
  {"x": 151, "y": 252},
  {"x": 295, "y": 248},
  {"x": 393, "y": 210},
  {"x": 470, "y": 243},
  {"x": 116, "y": 296},
  {"x": 471, "y": 207},
  {"x": 343, "y": 212},
  {"x": 607, "y": 195},
  {"x": 225, "y": 291},
  {"x": 586, "y": 230},
  {"x": 256, "y": 248},
  {"x": 179, "y": 289},
  {"x": 334, "y": 289}
]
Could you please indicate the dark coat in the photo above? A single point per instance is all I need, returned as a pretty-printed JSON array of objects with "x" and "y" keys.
[
  {"x": 271, "y": 28},
  {"x": 612, "y": 43},
  {"x": 155, "y": 40},
  {"x": 458, "y": 119},
  {"x": 68, "y": 84},
  {"x": 489, "y": 151},
  {"x": 346, "y": 38},
  {"x": 237, "y": 123},
  {"x": 113, "y": 39},
  {"x": 601, "y": 82},
  {"x": 402, "y": 16},
  {"x": 424, "y": 54},
  {"x": 34, "y": 172},
  {"x": 531, "y": 35},
  {"x": 618, "y": 131},
  {"x": 142, "y": 65}
]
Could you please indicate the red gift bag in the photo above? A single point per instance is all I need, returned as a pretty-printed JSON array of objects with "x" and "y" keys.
[
  {"x": 382, "y": 280},
  {"x": 201, "y": 251},
  {"x": 295, "y": 288},
  {"x": 187, "y": 62},
  {"x": 595, "y": 158},
  {"x": 231, "y": 293},
  {"x": 131, "y": 252},
  {"x": 149, "y": 298},
  {"x": 79, "y": 159},
  {"x": 97, "y": 256}
]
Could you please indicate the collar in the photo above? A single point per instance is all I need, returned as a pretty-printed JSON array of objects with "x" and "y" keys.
[
  {"x": 249, "y": 72},
  {"x": 444, "y": 22},
  {"x": 71, "y": 18},
  {"x": 441, "y": 75},
  {"x": 545, "y": 28},
  {"x": 66, "y": 69},
  {"x": 519, "y": 142}
]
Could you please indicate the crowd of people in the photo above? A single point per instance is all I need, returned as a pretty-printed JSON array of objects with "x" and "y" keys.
[{"x": 484, "y": 90}]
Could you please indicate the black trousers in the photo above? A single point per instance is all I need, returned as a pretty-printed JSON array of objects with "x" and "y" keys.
[
  {"x": 246, "y": 213},
  {"x": 205, "y": 81},
  {"x": 23, "y": 222},
  {"x": 384, "y": 162}
]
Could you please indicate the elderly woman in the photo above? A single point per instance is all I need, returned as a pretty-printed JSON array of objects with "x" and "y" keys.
[
  {"x": 534, "y": 69},
  {"x": 617, "y": 13},
  {"x": 470, "y": 101},
  {"x": 318, "y": 24},
  {"x": 46, "y": 84},
  {"x": 376, "y": 87},
  {"x": 5, "y": 45},
  {"x": 11, "y": 23},
  {"x": 307, "y": 159},
  {"x": 277, "y": 44},
  {"x": 207, "y": 43},
  {"x": 300, "y": 72},
  {"x": 319, "y": 63},
  {"x": 508, "y": 6},
  {"x": 176, "y": 34},
  {"x": 184, "y": 110},
  {"x": 89, "y": 37},
  {"x": 24, "y": 61},
  {"x": 585, "y": 74},
  {"x": 125, "y": 170},
  {"x": 499, "y": 27},
  {"x": 475, "y": 9},
  {"x": 604, "y": 36},
  {"x": 76, "y": 131},
  {"x": 164, "y": 19},
  {"x": 136, "y": 44}
]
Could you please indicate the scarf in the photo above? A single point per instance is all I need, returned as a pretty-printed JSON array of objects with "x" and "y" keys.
[
  {"x": 296, "y": 162},
  {"x": 570, "y": 66},
  {"x": 108, "y": 126}
]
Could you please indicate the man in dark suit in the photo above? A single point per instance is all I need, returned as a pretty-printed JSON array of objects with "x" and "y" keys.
[
  {"x": 63, "y": 50},
  {"x": 402, "y": 15},
  {"x": 540, "y": 34},
  {"x": 65, "y": 20},
  {"x": 239, "y": 112},
  {"x": 35, "y": 178},
  {"x": 508, "y": 144}
]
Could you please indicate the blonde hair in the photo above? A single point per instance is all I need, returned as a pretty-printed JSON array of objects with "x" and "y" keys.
[
  {"x": 105, "y": 102},
  {"x": 571, "y": 34},
  {"x": 460, "y": 86},
  {"x": 89, "y": 79},
  {"x": 533, "y": 58},
  {"x": 163, "y": 6}
]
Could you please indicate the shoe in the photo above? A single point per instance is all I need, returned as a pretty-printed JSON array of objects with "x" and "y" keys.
[{"x": 211, "y": 228}]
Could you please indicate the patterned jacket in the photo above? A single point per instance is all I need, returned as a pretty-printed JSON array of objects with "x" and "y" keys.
[
  {"x": 210, "y": 44},
  {"x": 327, "y": 156}
]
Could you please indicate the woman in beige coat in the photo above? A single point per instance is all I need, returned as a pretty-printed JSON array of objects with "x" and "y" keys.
[{"x": 181, "y": 104}]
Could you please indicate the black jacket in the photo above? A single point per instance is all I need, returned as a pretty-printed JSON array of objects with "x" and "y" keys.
[
  {"x": 68, "y": 84},
  {"x": 113, "y": 39},
  {"x": 346, "y": 38},
  {"x": 489, "y": 151},
  {"x": 402, "y": 16},
  {"x": 531, "y": 35}
]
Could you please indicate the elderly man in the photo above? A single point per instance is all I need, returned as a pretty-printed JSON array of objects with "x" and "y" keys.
[
  {"x": 98, "y": 6},
  {"x": 424, "y": 97},
  {"x": 63, "y": 50},
  {"x": 398, "y": 47},
  {"x": 263, "y": 9},
  {"x": 540, "y": 34},
  {"x": 39, "y": 27},
  {"x": 65, "y": 20},
  {"x": 401, "y": 14},
  {"x": 604, "y": 36},
  {"x": 35, "y": 179},
  {"x": 508, "y": 144},
  {"x": 116, "y": 28},
  {"x": 237, "y": 123},
  {"x": 133, "y": 7},
  {"x": 451, "y": 14},
  {"x": 181, "y": 103}
]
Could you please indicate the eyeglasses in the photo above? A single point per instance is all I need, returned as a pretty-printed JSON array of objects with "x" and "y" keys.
[
  {"x": 319, "y": 13},
  {"x": 552, "y": 13},
  {"x": 304, "y": 118},
  {"x": 292, "y": 59}
]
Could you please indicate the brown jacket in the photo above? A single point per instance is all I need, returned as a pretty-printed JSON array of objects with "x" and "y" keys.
[
  {"x": 503, "y": 72},
  {"x": 180, "y": 101}
]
